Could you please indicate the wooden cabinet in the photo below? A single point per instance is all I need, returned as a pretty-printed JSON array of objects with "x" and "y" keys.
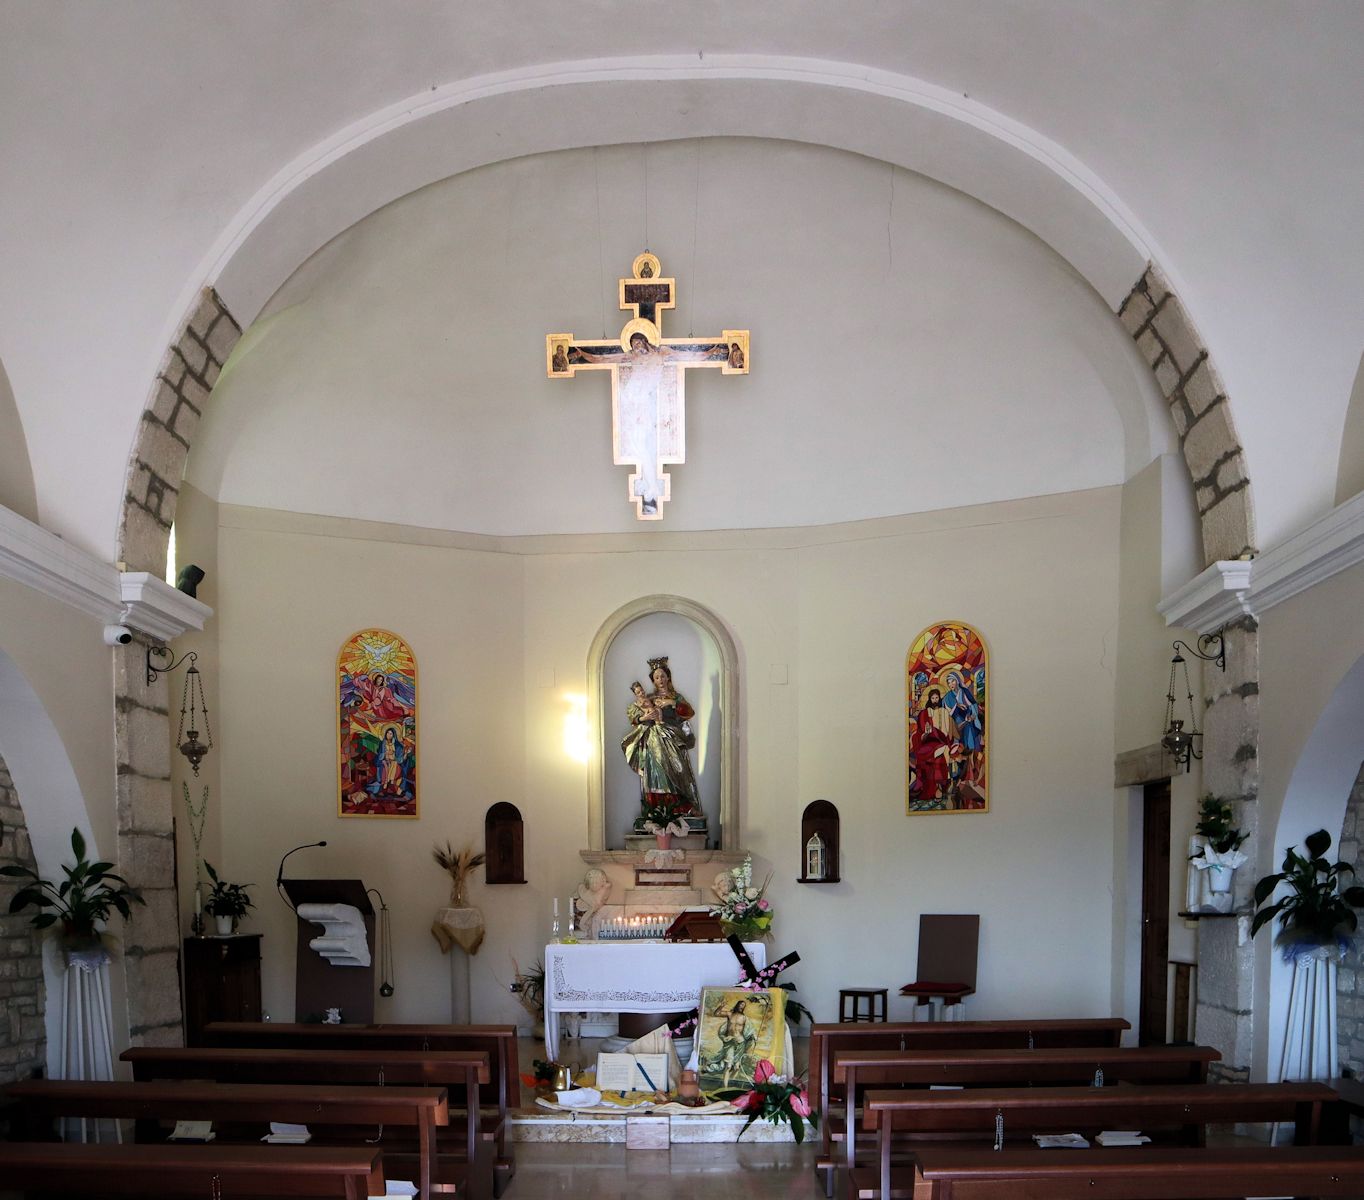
[{"x": 222, "y": 982}]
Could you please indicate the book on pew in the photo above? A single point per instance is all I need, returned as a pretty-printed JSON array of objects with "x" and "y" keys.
[
  {"x": 1121, "y": 1137},
  {"x": 283, "y": 1134},
  {"x": 1061, "y": 1141},
  {"x": 192, "y": 1131}
]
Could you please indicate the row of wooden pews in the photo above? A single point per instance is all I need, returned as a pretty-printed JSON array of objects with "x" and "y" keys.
[
  {"x": 975, "y": 1143},
  {"x": 381, "y": 1094}
]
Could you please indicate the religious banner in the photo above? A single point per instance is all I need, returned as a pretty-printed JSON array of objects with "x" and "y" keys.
[
  {"x": 377, "y": 726},
  {"x": 947, "y": 766},
  {"x": 738, "y": 1029},
  {"x": 648, "y": 381}
]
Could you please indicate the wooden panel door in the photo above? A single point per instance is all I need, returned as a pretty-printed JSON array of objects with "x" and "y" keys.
[{"x": 1155, "y": 912}]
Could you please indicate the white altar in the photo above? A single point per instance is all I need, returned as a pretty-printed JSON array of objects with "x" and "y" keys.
[{"x": 635, "y": 977}]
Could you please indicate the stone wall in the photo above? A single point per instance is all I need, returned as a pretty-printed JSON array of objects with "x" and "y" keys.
[
  {"x": 1168, "y": 341},
  {"x": 1350, "y": 980},
  {"x": 143, "y": 725},
  {"x": 23, "y": 1038}
]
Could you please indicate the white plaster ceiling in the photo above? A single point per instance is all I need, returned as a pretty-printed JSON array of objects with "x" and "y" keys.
[
  {"x": 136, "y": 136},
  {"x": 912, "y": 350}
]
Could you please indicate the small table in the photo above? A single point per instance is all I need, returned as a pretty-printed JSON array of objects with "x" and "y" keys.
[
  {"x": 850, "y": 1004},
  {"x": 640, "y": 977}
]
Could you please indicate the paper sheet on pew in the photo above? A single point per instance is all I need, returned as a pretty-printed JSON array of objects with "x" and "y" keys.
[
  {"x": 1121, "y": 1137},
  {"x": 397, "y": 1187},
  {"x": 283, "y": 1134},
  {"x": 1061, "y": 1141},
  {"x": 192, "y": 1131}
]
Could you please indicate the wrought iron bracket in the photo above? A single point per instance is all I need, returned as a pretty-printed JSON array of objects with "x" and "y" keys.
[
  {"x": 1205, "y": 649},
  {"x": 165, "y": 652}
]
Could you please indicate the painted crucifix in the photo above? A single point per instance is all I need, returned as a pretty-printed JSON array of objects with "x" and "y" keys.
[{"x": 648, "y": 384}]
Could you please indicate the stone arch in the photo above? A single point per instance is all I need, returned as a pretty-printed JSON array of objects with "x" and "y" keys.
[
  {"x": 38, "y": 780},
  {"x": 1321, "y": 787},
  {"x": 730, "y": 765}
]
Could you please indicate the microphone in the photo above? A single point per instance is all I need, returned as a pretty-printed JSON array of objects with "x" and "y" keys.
[{"x": 279, "y": 878}]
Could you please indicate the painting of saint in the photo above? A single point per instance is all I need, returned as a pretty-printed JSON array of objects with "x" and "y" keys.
[
  {"x": 376, "y": 726},
  {"x": 738, "y": 1029},
  {"x": 947, "y": 728}
]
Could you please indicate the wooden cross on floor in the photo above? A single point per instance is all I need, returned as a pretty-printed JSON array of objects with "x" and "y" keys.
[{"x": 648, "y": 382}]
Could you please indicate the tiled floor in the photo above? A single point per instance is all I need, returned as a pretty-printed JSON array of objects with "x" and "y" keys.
[{"x": 594, "y": 1172}]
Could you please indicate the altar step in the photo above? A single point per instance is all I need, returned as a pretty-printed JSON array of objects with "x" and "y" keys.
[{"x": 543, "y": 1125}]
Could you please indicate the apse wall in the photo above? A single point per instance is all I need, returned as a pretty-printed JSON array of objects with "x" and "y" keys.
[
  {"x": 911, "y": 350},
  {"x": 822, "y": 619}
]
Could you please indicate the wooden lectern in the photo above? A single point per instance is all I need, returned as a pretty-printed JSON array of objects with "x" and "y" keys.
[{"x": 318, "y": 985}]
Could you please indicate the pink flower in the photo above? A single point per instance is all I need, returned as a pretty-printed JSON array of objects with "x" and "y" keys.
[
  {"x": 763, "y": 1071},
  {"x": 800, "y": 1104},
  {"x": 763, "y": 904},
  {"x": 748, "y": 1100}
]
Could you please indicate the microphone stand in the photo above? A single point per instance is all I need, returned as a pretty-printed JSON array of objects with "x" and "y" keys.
[{"x": 279, "y": 877}]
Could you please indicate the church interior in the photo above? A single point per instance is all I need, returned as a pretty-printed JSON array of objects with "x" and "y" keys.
[{"x": 1023, "y": 335}]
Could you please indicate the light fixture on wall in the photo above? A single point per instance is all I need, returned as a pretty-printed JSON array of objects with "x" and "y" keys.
[
  {"x": 1183, "y": 744},
  {"x": 192, "y": 704}
]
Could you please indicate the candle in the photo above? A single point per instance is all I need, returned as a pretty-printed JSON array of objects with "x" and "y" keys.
[
  {"x": 556, "y": 906},
  {"x": 198, "y": 899}
]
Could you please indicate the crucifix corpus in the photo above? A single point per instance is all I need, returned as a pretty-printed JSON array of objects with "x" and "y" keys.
[{"x": 648, "y": 398}]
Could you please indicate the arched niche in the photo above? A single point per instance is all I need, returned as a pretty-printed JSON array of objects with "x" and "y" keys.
[
  {"x": 820, "y": 817},
  {"x": 710, "y": 681},
  {"x": 504, "y": 844}
]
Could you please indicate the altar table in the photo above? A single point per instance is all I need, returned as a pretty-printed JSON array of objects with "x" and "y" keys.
[{"x": 634, "y": 977}]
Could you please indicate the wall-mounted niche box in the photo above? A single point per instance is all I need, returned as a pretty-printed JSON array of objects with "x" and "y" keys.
[
  {"x": 819, "y": 843},
  {"x": 504, "y": 838}
]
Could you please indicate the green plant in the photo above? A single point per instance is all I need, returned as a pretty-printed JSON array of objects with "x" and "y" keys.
[
  {"x": 529, "y": 987},
  {"x": 1215, "y": 824},
  {"x": 661, "y": 815},
  {"x": 1315, "y": 910},
  {"x": 226, "y": 899},
  {"x": 777, "y": 1098},
  {"x": 89, "y": 893}
]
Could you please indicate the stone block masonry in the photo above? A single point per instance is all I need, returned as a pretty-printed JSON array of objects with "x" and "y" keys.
[
  {"x": 1350, "y": 979},
  {"x": 23, "y": 1040},
  {"x": 188, "y": 373},
  {"x": 142, "y": 721},
  {"x": 1168, "y": 341}
]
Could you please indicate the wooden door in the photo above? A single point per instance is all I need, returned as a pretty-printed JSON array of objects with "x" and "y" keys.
[{"x": 1155, "y": 912}]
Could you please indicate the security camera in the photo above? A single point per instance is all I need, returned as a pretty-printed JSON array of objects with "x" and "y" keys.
[{"x": 117, "y": 635}]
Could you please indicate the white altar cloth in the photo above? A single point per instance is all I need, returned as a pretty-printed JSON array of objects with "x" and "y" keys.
[{"x": 638, "y": 977}]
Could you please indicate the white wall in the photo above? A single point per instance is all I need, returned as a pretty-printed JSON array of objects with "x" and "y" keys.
[
  {"x": 822, "y": 618},
  {"x": 1311, "y": 730},
  {"x": 904, "y": 359}
]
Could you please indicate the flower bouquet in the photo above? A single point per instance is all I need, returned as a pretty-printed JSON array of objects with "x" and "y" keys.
[
  {"x": 742, "y": 909},
  {"x": 777, "y": 1098}
]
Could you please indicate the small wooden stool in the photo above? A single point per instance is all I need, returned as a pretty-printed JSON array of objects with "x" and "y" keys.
[{"x": 850, "y": 1004}]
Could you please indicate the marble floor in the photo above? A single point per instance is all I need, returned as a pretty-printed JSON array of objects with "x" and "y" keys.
[{"x": 597, "y": 1172}]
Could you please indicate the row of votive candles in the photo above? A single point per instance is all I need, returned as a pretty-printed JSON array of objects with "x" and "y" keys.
[{"x": 649, "y": 927}]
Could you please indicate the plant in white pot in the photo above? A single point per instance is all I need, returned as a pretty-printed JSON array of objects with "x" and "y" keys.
[
  {"x": 227, "y": 902},
  {"x": 1218, "y": 852},
  {"x": 75, "y": 908}
]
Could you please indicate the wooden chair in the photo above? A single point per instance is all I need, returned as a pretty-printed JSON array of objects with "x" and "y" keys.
[{"x": 946, "y": 969}]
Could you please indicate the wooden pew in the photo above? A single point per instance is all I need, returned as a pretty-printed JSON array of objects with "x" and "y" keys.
[
  {"x": 1140, "y": 1173},
  {"x": 456, "y": 1070},
  {"x": 1171, "y": 1112},
  {"x": 191, "y": 1172},
  {"x": 502, "y": 1091},
  {"x": 827, "y": 1039},
  {"x": 1065, "y": 1066},
  {"x": 249, "y": 1106}
]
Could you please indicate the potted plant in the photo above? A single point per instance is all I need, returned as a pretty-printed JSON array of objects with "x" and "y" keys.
[
  {"x": 1219, "y": 854},
  {"x": 88, "y": 894},
  {"x": 664, "y": 823},
  {"x": 1316, "y": 918},
  {"x": 529, "y": 987},
  {"x": 227, "y": 902}
]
